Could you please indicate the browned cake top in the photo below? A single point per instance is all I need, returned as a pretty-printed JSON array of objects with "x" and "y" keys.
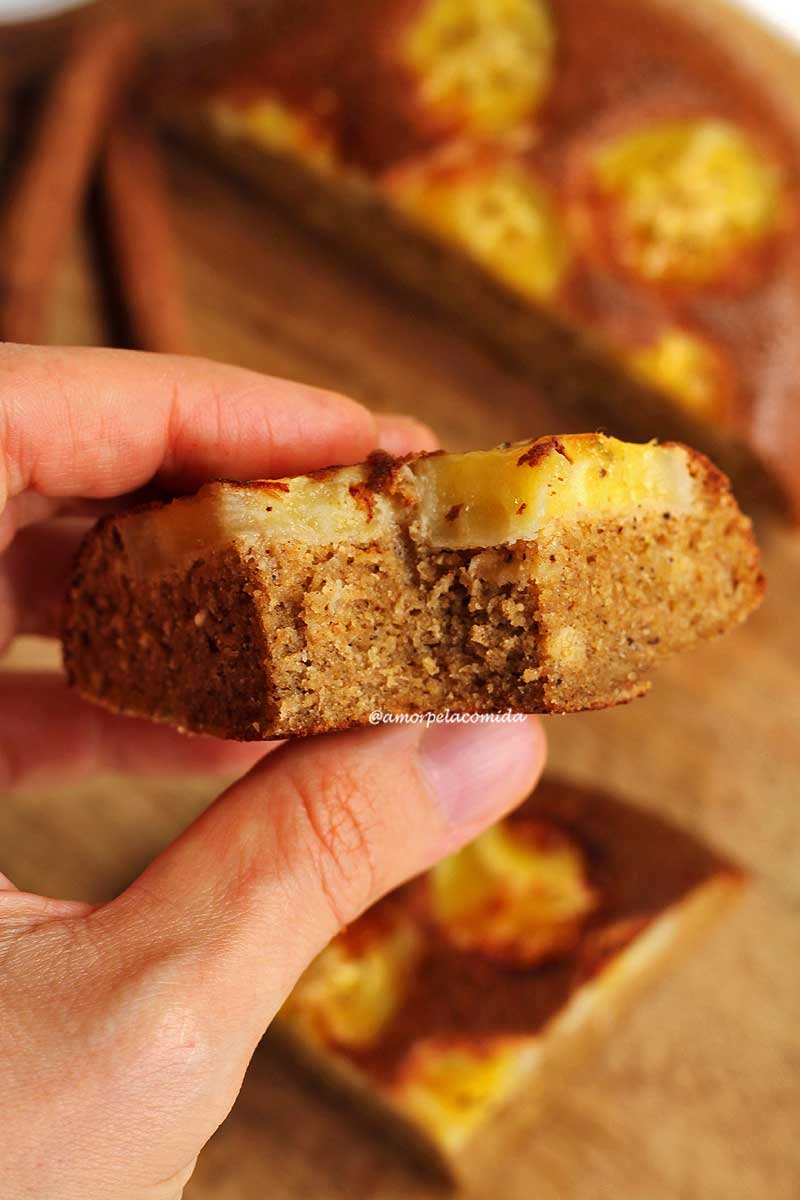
[
  {"x": 344, "y": 65},
  {"x": 617, "y": 869},
  {"x": 657, "y": 179}
]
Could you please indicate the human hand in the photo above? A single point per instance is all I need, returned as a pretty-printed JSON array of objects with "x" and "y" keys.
[{"x": 126, "y": 1028}]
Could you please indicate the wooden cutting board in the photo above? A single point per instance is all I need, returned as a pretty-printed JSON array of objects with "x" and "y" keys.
[{"x": 698, "y": 1097}]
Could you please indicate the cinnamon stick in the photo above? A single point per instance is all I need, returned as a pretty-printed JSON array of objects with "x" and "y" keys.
[
  {"x": 44, "y": 200},
  {"x": 141, "y": 240}
]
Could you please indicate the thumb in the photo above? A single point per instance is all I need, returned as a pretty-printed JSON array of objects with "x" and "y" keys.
[
  {"x": 128, "y": 1027},
  {"x": 310, "y": 837}
]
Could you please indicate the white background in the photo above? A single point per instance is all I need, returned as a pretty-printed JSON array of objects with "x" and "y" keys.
[
  {"x": 19, "y": 10},
  {"x": 785, "y": 14}
]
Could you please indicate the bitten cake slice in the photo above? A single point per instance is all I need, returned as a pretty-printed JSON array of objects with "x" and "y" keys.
[
  {"x": 474, "y": 985},
  {"x": 546, "y": 576}
]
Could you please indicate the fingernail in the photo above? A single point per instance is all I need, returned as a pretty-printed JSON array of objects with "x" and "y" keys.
[
  {"x": 479, "y": 772},
  {"x": 399, "y": 434}
]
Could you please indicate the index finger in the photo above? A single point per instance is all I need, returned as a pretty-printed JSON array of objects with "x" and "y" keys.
[{"x": 87, "y": 422}]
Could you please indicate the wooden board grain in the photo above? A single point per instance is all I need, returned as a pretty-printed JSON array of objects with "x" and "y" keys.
[{"x": 698, "y": 1097}]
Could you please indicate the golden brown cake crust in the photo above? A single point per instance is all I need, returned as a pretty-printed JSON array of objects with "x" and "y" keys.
[
  {"x": 249, "y": 635},
  {"x": 172, "y": 646}
]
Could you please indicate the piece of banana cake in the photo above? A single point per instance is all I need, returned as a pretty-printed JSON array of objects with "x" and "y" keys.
[
  {"x": 469, "y": 991},
  {"x": 544, "y": 576}
]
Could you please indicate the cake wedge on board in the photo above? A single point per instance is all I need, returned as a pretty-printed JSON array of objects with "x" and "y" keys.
[{"x": 477, "y": 984}]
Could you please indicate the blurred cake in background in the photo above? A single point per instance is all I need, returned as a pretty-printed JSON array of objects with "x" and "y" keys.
[
  {"x": 603, "y": 191},
  {"x": 479, "y": 981}
]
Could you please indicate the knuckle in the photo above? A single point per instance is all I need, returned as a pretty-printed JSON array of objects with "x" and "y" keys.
[{"x": 341, "y": 824}]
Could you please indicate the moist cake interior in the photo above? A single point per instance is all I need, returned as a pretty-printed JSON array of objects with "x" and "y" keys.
[{"x": 538, "y": 577}]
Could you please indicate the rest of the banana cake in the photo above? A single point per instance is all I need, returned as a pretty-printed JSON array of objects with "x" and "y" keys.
[
  {"x": 608, "y": 194},
  {"x": 475, "y": 984},
  {"x": 545, "y": 576}
]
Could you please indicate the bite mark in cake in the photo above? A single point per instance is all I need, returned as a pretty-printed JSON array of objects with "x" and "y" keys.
[{"x": 546, "y": 576}]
